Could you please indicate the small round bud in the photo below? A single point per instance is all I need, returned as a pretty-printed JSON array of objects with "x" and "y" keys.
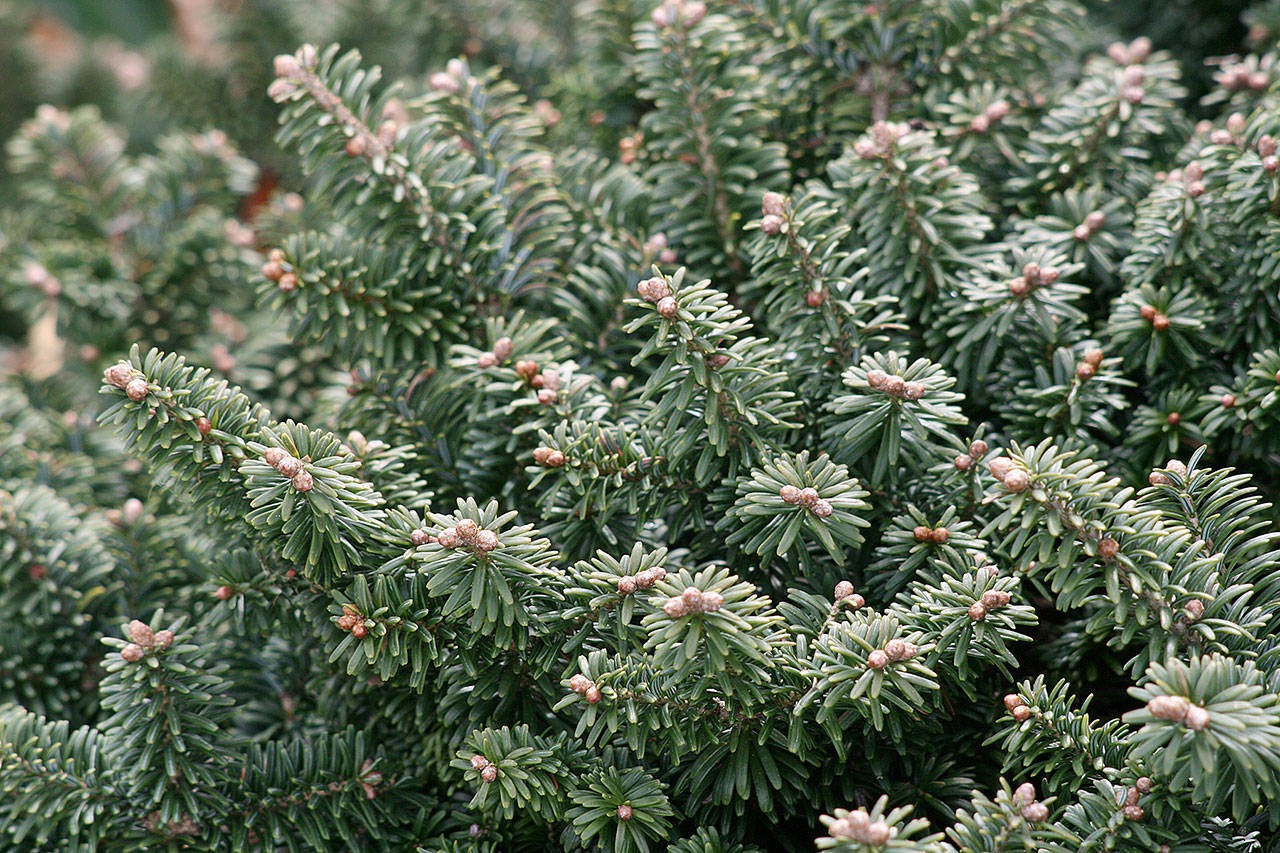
[
  {"x": 1266, "y": 145},
  {"x": 1011, "y": 701},
  {"x": 592, "y": 694},
  {"x": 1019, "y": 286},
  {"x": 502, "y": 349},
  {"x": 717, "y": 359},
  {"x": 1174, "y": 419},
  {"x": 288, "y": 283},
  {"x": 546, "y": 396},
  {"x": 978, "y": 448},
  {"x": 815, "y": 298},
  {"x": 1133, "y": 94},
  {"x": 203, "y": 426},
  {"x": 877, "y": 659},
  {"x": 1160, "y": 322},
  {"x": 526, "y": 369},
  {"x": 540, "y": 455},
  {"x": 1000, "y": 467},
  {"x": 694, "y": 12},
  {"x": 303, "y": 481},
  {"x": 994, "y": 599},
  {"x": 1035, "y": 812},
  {"x": 1093, "y": 357},
  {"x": 555, "y": 459},
  {"x": 624, "y": 812},
  {"x": 855, "y": 601},
  {"x": 1025, "y": 793},
  {"x": 896, "y": 649},
  {"x": 1194, "y": 609},
  {"x": 289, "y": 466},
  {"x": 489, "y": 773},
  {"x": 131, "y": 511},
  {"x": 1228, "y": 401},
  {"x": 1157, "y": 478},
  {"x": 1095, "y": 220},
  {"x": 674, "y": 607},
  {"x": 486, "y": 540},
  {"x": 224, "y": 592},
  {"x": 977, "y": 612},
  {"x": 1168, "y": 707},
  {"x": 1271, "y": 163},
  {"x": 921, "y": 533},
  {"x": 692, "y": 597},
  {"x": 914, "y": 390},
  {"x": 626, "y": 585},
  {"x": 346, "y": 622},
  {"x": 486, "y": 360},
  {"x": 1021, "y": 713},
  {"x": 1081, "y": 233},
  {"x": 771, "y": 224},
  {"x": 1031, "y": 272},
  {"x": 809, "y": 497},
  {"x": 1196, "y": 719},
  {"x": 1176, "y": 467},
  {"x": 286, "y": 65},
  {"x": 479, "y": 762},
  {"x": 444, "y": 82},
  {"x": 274, "y": 455},
  {"x": 1134, "y": 812},
  {"x": 773, "y": 204},
  {"x": 963, "y": 462},
  {"x": 419, "y": 537},
  {"x": 877, "y": 378},
  {"x": 132, "y": 653},
  {"x": 467, "y": 530},
  {"x": 710, "y": 602},
  {"x": 790, "y": 494},
  {"x": 140, "y": 632},
  {"x": 667, "y": 307},
  {"x": 1050, "y": 275},
  {"x": 356, "y": 146},
  {"x": 844, "y": 589},
  {"x": 1195, "y": 189},
  {"x": 1084, "y": 371},
  {"x": 667, "y": 256},
  {"x": 164, "y": 639},
  {"x": 1143, "y": 785},
  {"x": 823, "y": 509},
  {"x": 1016, "y": 480},
  {"x": 118, "y": 375},
  {"x": 1108, "y": 548},
  {"x": 877, "y": 833},
  {"x": 136, "y": 390},
  {"x": 997, "y": 110},
  {"x": 1147, "y": 312},
  {"x": 359, "y": 631},
  {"x": 895, "y": 386}
]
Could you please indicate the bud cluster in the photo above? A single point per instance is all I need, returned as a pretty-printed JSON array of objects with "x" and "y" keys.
[
  {"x": 1016, "y": 707},
  {"x": 682, "y": 13},
  {"x": 993, "y": 114},
  {"x": 894, "y": 650},
  {"x": 1033, "y": 276},
  {"x": 289, "y": 467},
  {"x": 992, "y": 599},
  {"x": 1267, "y": 151},
  {"x": 630, "y": 147},
  {"x": 547, "y": 382},
  {"x": 352, "y": 621},
  {"x": 1159, "y": 478},
  {"x": 502, "y": 349},
  {"x": 1230, "y": 135},
  {"x": 656, "y": 247},
  {"x": 657, "y": 292},
  {"x": 488, "y": 772},
  {"x": 646, "y": 579},
  {"x": 292, "y": 69},
  {"x": 548, "y": 457},
  {"x": 1158, "y": 321},
  {"x": 123, "y": 376},
  {"x": 1092, "y": 225},
  {"x": 1014, "y": 478},
  {"x": 859, "y": 826},
  {"x": 1179, "y": 709},
  {"x": 774, "y": 208},
  {"x": 896, "y": 386},
  {"x": 936, "y": 535},
  {"x": 977, "y": 449},
  {"x": 808, "y": 498},
  {"x": 280, "y": 271},
  {"x": 881, "y": 140},
  {"x": 1024, "y": 796},
  {"x": 692, "y": 600},
  {"x": 450, "y": 80},
  {"x": 586, "y": 687},
  {"x": 1133, "y": 811},
  {"x": 468, "y": 534},
  {"x": 144, "y": 640},
  {"x": 844, "y": 594},
  {"x": 1239, "y": 77},
  {"x": 1087, "y": 368},
  {"x": 1135, "y": 52}
]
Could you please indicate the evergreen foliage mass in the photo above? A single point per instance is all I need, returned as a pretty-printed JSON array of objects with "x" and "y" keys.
[{"x": 741, "y": 426}]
